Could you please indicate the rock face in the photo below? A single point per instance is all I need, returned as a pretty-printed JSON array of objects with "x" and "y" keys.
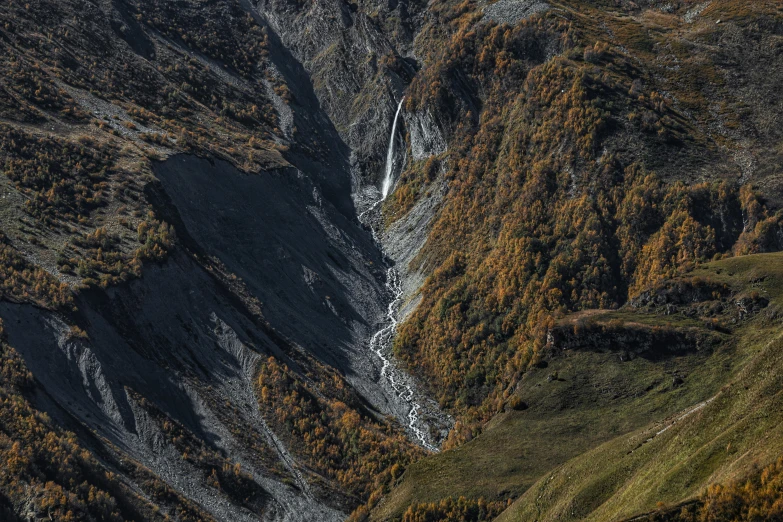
[
  {"x": 426, "y": 137},
  {"x": 267, "y": 262},
  {"x": 179, "y": 338},
  {"x": 316, "y": 273},
  {"x": 512, "y": 11},
  {"x": 631, "y": 340},
  {"x": 190, "y": 341},
  {"x": 359, "y": 60}
]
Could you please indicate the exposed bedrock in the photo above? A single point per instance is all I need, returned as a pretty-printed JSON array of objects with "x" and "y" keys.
[
  {"x": 359, "y": 60},
  {"x": 189, "y": 343},
  {"x": 318, "y": 274},
  {"x": 184, "y": 343},
  {"x": 267, "y": 263}
]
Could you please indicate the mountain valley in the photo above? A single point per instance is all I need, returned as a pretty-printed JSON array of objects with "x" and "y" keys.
[{"x": 445, "y": 260}]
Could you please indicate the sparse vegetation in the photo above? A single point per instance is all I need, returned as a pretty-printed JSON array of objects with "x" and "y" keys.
[
  {"x": 219, "y": 472},
  {"x": 22, "y": 281},
  {"x": 46, "y": 472},
  {"x": 98, "y": 257},
  {"x": 65, "y": 181}
]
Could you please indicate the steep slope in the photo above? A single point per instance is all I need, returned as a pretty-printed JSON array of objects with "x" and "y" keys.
[
  {"x": 594, "y": 150},
  {"x": 553, "y": 203},
  {"x": 640, "y": 408},
  {"x": 149, "y": 283},
  {"x": 359, "y": 57}
]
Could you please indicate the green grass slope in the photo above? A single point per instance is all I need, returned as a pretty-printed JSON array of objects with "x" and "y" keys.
[
  {"x": 723, "y": 438},
  {"x": 643, "y": 405}
]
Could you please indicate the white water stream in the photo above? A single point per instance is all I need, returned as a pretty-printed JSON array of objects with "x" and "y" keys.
[{"x": 381, "y": 341}]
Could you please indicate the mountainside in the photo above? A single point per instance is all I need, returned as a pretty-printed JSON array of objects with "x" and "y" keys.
[{"x": 567, "y": 306}]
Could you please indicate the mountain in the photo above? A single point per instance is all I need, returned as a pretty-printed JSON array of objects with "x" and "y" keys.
[{"x": 390, "y": 260}]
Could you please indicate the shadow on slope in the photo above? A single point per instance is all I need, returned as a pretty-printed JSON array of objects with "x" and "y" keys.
[
  {"x": 314, "y": 271},
  {"x": 172, "y": 348}
]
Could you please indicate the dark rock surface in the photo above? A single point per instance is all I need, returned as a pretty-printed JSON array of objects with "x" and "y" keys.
[
  {"x": 512, "y": 11},
  {"x": 179, "y": 338},
  {"x": 190, "y": 344},
  {"x": 311, "y": 268},
  {"x": 343, "y": 50},
  {"x": 275, "y": 262}
]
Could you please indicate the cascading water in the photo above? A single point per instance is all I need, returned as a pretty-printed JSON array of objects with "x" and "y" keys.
[
  {"x": 387, "y": 180},
  {"x": 381, "y": 341}
]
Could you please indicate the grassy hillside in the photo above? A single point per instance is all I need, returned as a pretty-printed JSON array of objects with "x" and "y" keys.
[
  {"x": 755, "y": 498},
  {"x": 645, "y": 405}
]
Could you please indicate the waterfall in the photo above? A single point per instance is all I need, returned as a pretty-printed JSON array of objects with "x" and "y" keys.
[
  {"x": 381, "y": 342},
  {"x": 387, "y": 181}
]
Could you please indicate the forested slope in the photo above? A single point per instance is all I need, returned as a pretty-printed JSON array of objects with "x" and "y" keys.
[{"x": 595, "y": 151}]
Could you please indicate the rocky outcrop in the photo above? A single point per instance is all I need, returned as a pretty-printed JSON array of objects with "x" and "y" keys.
[
  {"x": 631, "y": 339},
  {"x": 425, "y": 135},
  {"x": 359, "y": 58},
  {"x": 512, "y": 11},
  {"x": 700, "y": 299}
]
